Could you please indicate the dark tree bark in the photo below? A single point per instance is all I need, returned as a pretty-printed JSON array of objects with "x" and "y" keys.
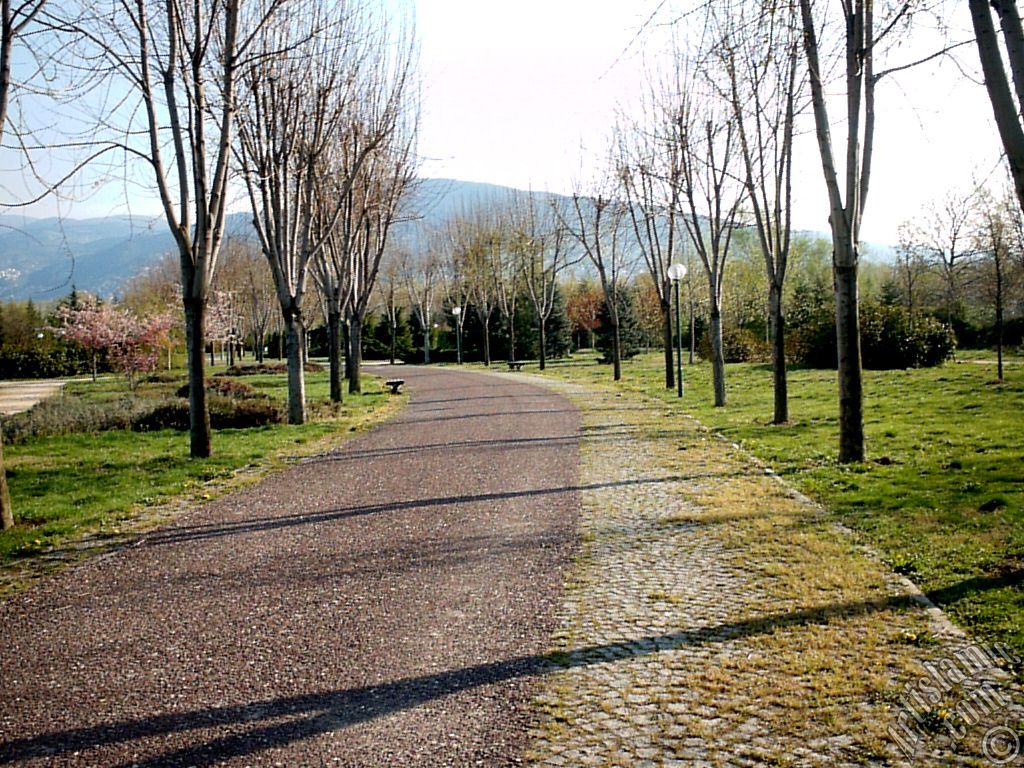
[
  {"x": 295, "y": 337},
  {"x": 199, "y": 416},
  {"x": 668, "y": 337},
  {"x": 777, "y": 331},
  {"x": 335, "y": 342},
  {"x": 1004, "y": 109},
  {"x": 355, "y": 346}
]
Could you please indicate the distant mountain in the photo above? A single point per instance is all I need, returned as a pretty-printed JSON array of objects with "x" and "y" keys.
[{"x": 41, "y": 259}]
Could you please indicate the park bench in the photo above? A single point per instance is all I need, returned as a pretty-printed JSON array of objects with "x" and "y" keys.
[
  {"x": 395, "y": 384},
  {"x": 515, "y": 365}
]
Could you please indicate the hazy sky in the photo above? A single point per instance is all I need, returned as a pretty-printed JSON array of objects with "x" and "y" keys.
[{"x": 525, "y": 94}]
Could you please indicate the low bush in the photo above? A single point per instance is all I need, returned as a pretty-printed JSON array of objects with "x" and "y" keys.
[
  {"x": 255, "y": 369},
  {"x": 42, "y": 362},
  {"x": 161, "y": 377},
  {"x": 225, "y": 413},
  {"x": 70, "y": 415},
  {"x": 739, "y": 345},
  {"x": 225, "y": 387},
  {"x": 888, "y": 341}
]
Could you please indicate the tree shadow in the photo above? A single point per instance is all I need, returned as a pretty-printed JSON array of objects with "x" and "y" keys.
[
  {"x": 192, "y": 533},
  {"x": 321, "y": 712},
  {"x": 500, "y": 444},
  {"x": 428, "y": 419}
]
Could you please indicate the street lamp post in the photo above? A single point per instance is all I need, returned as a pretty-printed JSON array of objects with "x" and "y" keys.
[
  {"x": 676, "y": 273},
  {"x": 457, "y": 312}
]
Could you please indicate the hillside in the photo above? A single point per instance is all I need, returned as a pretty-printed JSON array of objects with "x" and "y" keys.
[{"x": 40, "y": 259}]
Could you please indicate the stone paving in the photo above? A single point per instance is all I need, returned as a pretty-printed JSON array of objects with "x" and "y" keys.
[{"x": 717, "y": 618}]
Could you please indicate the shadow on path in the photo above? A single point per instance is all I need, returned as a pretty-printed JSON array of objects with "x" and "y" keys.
[
  {"x": 311, "y": 714},
  {"x": 249, "y": 525}
]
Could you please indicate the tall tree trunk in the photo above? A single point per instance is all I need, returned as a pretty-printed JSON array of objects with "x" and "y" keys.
[
  {"x": 487, "y": 341},
  {"x": 999, "y": 321},
  {"x": 426, "y": 343},
  {"x": 777, "y": 332},
  {"x": 717, "y": 356},
  {"x": 296, "y": 373},
  {"x": 543, "y": 343},
  {"x": 512, "y": 336},
  {"x": 394, "y": 339},
  {"x": 334, "y": 353},
  {"x": 346, "y": 338},
  {"x": 667, "y": 339},
  {"x": 6, "y": 510},
  {"x": 851, "y": 387},
  {"x": 260, "y": 341},
  {"x": 199, "y": 416},
  {"x": 1004, "y": 109},
  {"x": 715, "y": 329},
  {"x": 355, "y": 342},
  {"x": 616, "y": 348}
]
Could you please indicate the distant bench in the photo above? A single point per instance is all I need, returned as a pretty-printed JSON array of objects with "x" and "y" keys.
[
  {"x": 515, "y": 365},
  {"x": 395, "y": 384}
]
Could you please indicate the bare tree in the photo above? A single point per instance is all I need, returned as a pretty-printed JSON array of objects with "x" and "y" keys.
[
  {"x": 387, "y": 177},
  {"x": 477, "y": 238},
  {"x": 455, "y": 276},
  {"x": 759, "y": 48},
  {"x": 911, "y": 269},
  {"x": 1000, "y": 226},
  {"x": 505, "y": 274},
  {"x": 708, "y": 139},
  {"x": 650, "y": 171},
  {"x": 245, "y": 271},
  {"x": 846, "y": 202},
  {"x": 597, "y": 224},
  {"x": 421, "y": 275},
  {"x": 170, "y": 72},
  {"x": 297, "y": 101},
  {"x": 388, "y": 283},
  {"x": 944, "y": 237},
  {"x": 544, "y": 253},
  {"x": 370, "y": 168}
]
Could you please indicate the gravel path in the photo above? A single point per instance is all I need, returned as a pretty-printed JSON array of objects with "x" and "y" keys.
[
  {"x": 715, "y": 618},
  {"x": 387, "y": 604},
  {"x": 18, "y": 396}
]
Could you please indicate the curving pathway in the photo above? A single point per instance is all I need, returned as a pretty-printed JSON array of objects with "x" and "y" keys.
[{"x": 386, "y": 604}]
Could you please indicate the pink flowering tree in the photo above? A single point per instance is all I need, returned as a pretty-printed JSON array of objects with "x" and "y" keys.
[
  {"x": 90, "y": 324},
  {"x": 131, "y": 342}
]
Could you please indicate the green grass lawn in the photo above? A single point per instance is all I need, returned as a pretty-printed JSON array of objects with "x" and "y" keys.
[
  {"x": 64, "y": 486},
  {"x": 942, "y": 493}
]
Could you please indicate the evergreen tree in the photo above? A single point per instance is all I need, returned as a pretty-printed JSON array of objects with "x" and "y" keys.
[
  {"x": 630, "y": 332},
  {"x": 558, "y": 329}
]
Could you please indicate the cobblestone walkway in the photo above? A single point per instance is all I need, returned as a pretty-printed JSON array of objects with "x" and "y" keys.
[{"x": 716, "y": 618}]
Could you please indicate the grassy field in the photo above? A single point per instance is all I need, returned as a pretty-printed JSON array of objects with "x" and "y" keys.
[
  {"x": 66, "y": 486},
  {"x": 942, "y": 493}
]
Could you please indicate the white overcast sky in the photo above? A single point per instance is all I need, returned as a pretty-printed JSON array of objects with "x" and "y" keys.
[{"x": 525, "y": 94}]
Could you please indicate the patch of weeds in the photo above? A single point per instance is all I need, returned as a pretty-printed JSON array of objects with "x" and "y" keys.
[{"x": 917, "y": 639}]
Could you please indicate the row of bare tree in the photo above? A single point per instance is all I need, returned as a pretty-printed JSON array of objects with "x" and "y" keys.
[
  {"x": 484, "y": 258},
  {"x": 313, "y": 105},
  {"x": 310, "y": 107},
  {"x": 713, "y": 149}
]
